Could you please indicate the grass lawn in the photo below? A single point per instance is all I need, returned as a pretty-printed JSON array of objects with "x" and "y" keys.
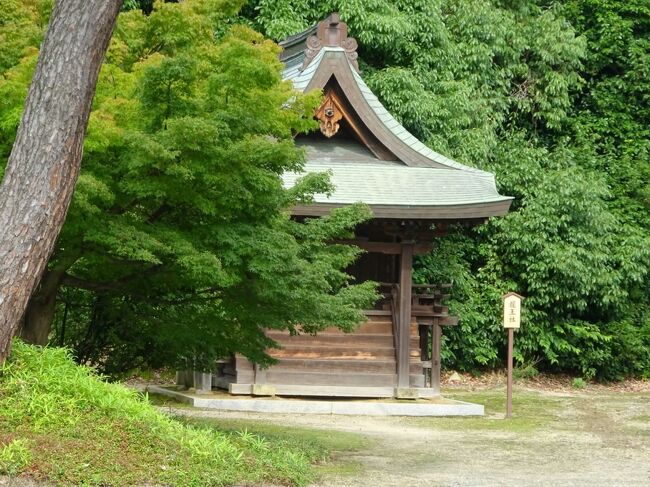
[
  {"x": 568, "y": 438},
  {"x": 531, "y": 411},
  {"x": 538, "y": 410},
  {"x": 327, "y": 450},
  {"x": 62, "y": 424}
]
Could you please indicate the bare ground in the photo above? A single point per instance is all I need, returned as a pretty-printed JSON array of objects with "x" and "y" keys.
[{"x": 557, "y": 438}]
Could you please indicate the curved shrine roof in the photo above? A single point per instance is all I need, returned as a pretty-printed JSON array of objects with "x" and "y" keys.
[{"x": 410, "y": 180}]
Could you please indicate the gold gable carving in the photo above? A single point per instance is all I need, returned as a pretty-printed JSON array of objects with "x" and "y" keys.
[{"x": 329, "y": 114}]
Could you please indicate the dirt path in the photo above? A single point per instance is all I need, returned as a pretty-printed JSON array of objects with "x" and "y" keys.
[{"x": 558, "y": 440}]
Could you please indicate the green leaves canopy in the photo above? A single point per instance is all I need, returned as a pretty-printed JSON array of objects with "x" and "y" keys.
[{"x": 178, "y": 244}]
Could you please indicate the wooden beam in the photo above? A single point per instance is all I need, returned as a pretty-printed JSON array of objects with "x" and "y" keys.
[
  {"x": 428, "y": 317},
  {"x": 376, "y": 312},
  {"x": 302, "y": 390},
  {"x": 404, "y": 325},
  {"x": 324, "y": 391},
  {"x": 466, "y": 214},
  {"x": 390, "y": 248}
]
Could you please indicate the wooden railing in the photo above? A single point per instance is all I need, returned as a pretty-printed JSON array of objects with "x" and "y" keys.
[
  {"x": 427, "y": 306},
  {"x": 391, "y": 299}
]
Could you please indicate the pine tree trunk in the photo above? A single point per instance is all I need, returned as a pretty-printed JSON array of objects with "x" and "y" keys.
[
  {"x": 44, "y": 163},
  {"x": 39, "y": 314}
]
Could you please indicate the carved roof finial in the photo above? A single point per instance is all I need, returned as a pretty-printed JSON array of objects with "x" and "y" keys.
[{"x": 331, "y": 32}]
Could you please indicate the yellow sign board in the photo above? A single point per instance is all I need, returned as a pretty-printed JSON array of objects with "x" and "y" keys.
[{"x": 511, "y": 310}]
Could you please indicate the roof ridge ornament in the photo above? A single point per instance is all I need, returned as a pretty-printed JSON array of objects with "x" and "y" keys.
[{"x": 331, "y": 32}]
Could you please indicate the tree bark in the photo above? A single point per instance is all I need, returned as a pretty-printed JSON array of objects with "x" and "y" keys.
[
  {"x": 44, "y": 163},
  {"x": 39, "y": 314}
]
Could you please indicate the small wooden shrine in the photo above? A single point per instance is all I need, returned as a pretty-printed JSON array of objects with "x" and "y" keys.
[{"x": 414, "y": 194}]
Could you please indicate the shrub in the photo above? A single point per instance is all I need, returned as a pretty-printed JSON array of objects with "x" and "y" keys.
[
  {"x": 526, "y": 371},
  {"x": 579, "y": 383}
]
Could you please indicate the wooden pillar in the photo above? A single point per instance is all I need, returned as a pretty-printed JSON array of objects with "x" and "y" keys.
[
  {"x": 404, "y": 328},
  {"x": 436, "y": 331},
  {"x": 511, "y": 339}
]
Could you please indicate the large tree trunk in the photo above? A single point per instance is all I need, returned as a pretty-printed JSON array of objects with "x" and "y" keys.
[
  {"x": 39, "y": 314},
  {"x": 38, "y": 319},
  {"x": 44, "y": 162}
]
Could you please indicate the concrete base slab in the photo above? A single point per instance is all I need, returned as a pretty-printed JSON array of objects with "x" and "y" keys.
[
  {"x": 333, "y": 391},
  {"x": 406, "y": 393},
  {"x": 437, "y": 406},
  {"x": 262, "y": 390}
]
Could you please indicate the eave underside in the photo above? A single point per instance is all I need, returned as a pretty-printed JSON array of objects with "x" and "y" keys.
[{"x": 451, "y": 212}]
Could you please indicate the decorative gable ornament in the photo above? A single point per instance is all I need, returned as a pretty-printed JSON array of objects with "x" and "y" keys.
[
  {"x": 329, "y": 114},
  {"x": 331, "y": 33}
]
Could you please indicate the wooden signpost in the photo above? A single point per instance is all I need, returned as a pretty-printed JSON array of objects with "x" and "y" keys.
[{"x": 511, "y": 321}]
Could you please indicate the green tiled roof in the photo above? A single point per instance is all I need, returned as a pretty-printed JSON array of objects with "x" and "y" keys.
[{"x": 358, "y": 176}]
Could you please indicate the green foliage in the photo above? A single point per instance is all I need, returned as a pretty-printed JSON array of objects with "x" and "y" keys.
[
  {"x": 14, "y": 457},
  {"x": 553, "y": 98},
  {"x": 578, "y": 383},
  {"x": 316, "y": 444},
  {"x": 612, "y": 114},
  {"x": 22, "y": 23},
  {"x": 67, "y": 426},
  {"x": 178, "y": 245},
  {"x": 178, "y": 220},
  {"x": 145, "y": 5},
  {"x": 528, "y": 371}
]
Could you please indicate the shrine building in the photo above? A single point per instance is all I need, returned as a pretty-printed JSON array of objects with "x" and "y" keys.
[{"x": 414, "y": 194}]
